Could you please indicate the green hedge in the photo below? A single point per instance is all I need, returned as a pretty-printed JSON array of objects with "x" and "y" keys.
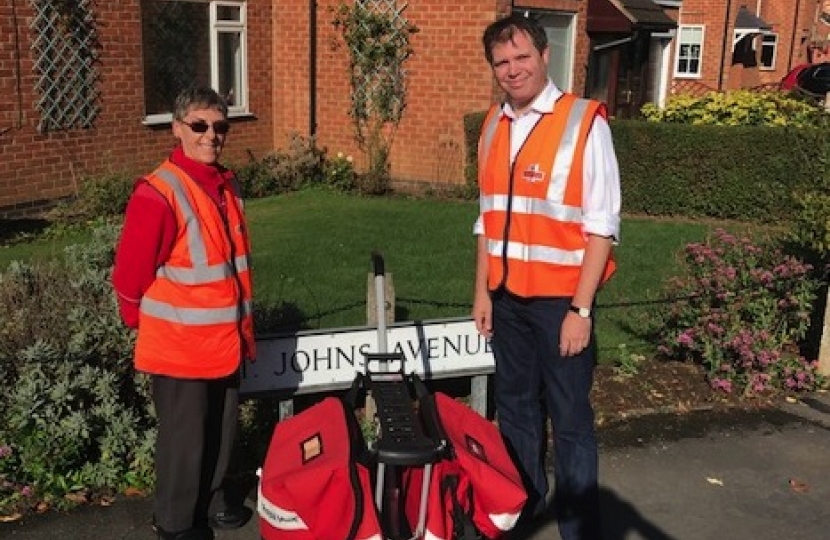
[
  {"x": 472, "y": 129},
  {"x": 746, "y": 173}
]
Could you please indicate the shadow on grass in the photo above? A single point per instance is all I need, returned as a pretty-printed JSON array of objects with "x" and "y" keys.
[{"x": 23, "y": 229}]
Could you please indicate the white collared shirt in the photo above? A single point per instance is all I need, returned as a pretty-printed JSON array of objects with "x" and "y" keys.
[{"x": 601, "y": 176}]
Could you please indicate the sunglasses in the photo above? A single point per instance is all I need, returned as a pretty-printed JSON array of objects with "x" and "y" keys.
[{"x": 200, "y": 126}]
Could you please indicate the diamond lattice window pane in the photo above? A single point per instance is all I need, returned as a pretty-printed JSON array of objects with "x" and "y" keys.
[{"x": 65, "y": 48}]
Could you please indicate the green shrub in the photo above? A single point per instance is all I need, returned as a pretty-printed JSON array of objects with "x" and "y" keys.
[
  {"x": 98, "y": 196},
  {"x": 810, "y": 230},
  {"x": 301, "y": 165},
  {"x": 377, "y": 181},
  {"x": 742, "y": 310},
  {"x": 77, "y": 420},
  {"x": 720, "y": 172},
  {"x": 339, "y": 173},
  {"x": 737, "y": 108},
  {"x": 472, "y": 131},
  {"x": 256, "y": 179}
]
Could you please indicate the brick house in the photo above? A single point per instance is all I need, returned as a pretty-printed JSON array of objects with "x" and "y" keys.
[
  {"x": 731, "y": 44},
  {"x": 76, "y": 100},
  {"x": 85, "y": 85}
]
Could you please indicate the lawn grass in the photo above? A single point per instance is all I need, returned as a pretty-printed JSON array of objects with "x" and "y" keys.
[
  {"x": 311, "y": 257},
  {"x": 38, "y": 248},
  {"x": 312, "y": 253}
]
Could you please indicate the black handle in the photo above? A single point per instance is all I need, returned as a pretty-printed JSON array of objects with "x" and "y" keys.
[{"x": 377, "y": 263}]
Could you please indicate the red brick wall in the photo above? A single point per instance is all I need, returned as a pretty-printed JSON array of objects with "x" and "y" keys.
[
  {"x": 39, "y": 167},
  {"x": 448, "y": 78}
]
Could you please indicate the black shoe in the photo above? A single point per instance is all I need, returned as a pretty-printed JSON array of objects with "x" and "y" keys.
[{"x": 233, "y": 518}]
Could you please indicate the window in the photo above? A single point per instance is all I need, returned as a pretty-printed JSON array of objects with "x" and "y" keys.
[
  {"x": 559, "y": 27},
  {"x": 66, "y": 50},
  {"x": 769, "y": 46},
  {"x": 189, "y": 42},
  {"x": 689, "y": 51}
]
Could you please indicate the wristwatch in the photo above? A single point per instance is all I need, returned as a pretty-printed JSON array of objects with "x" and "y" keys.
[{"x": 583, "y": 312}]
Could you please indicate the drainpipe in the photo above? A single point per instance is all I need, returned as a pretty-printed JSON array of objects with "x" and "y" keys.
[
  {"x": 795, "y": 31},
  {"x": 312, "y": 68},
  {"x": 726, "y": 40}
]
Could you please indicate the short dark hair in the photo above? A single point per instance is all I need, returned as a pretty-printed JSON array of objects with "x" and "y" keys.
[
  {"x": 202, "y": 97},
  {"x": 504, "y": 29}
]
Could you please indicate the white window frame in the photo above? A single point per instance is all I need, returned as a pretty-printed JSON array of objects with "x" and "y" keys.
[
  {"x": 680, "y": 35},
  {"x": 240, "y": 27},
  {"x": 773, "y": 44},
  {"x": 217, "y": 27}
]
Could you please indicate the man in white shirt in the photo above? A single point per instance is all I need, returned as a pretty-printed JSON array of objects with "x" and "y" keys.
[{"x": 550, "y": 204}]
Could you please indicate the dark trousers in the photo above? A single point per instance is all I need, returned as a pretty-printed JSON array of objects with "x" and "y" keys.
[
  {"x": 531, "y": 378},
  {"x": 197, "y": 422}
]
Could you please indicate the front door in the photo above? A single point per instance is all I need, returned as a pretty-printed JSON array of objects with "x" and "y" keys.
[
  {"x": 632, "y": 79},
  {"x": 619, "y": 77}
]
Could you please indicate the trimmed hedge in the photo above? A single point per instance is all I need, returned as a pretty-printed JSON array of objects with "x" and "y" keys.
[
  {"x": 472, "y": 130},
  {"x": 746, "y": 173}
]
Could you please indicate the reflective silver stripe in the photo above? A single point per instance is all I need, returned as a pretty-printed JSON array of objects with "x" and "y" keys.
[
  {"x": 531, "y": 205},
  {"x": 564, "y": 157},
  {"x": 536, "y": 253},
  {"x": 207, "y": 274},
  {"x": 195, "y": 243},
  {"x": 195, "y": 316},
  {"x": 488, "y": 133}
]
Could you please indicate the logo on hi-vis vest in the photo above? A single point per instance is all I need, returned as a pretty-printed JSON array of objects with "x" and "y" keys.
[{"x": 533, "y": 174}]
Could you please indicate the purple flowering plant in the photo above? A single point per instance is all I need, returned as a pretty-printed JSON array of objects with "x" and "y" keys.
[
  {"x": 741, "y": 310},
  {"x": 15, "y": 497}
]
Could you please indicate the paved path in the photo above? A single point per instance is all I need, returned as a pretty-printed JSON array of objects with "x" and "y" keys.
[{"x": 762, "y": 475}]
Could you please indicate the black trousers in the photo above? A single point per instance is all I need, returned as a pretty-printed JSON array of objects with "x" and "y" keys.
[
  {"x": 532, "y": 382},
  {"x": 197, "y": 420}
]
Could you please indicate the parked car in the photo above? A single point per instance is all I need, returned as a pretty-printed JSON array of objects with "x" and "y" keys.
[
  {"x": 811, "y": 79},
  {"x": 790, "y": 80}
]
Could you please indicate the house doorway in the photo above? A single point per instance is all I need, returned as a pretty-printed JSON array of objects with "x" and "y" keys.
[{"x": 619, "y": 76}]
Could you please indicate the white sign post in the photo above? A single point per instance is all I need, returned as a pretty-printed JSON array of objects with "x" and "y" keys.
[{"x": 824, "y": 346}]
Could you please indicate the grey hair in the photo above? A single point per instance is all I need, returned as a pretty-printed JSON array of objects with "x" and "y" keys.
[{"x": 202, "y": 97}]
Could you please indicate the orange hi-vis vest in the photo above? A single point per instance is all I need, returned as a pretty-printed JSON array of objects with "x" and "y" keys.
[
  {"x": 532, "y": 210},
  {"x": 196, "y": 318}
]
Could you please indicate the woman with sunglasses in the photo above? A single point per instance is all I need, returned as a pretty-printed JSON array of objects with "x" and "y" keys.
[{"x": 182, "y": 277}]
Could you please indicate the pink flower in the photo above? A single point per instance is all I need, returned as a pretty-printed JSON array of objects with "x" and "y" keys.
[
  {"x": 685, "y": 339},
  {"x": 722, "y": 384}
]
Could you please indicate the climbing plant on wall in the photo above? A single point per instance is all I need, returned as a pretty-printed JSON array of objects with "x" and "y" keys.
[{"x": 376, "y": 36}]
